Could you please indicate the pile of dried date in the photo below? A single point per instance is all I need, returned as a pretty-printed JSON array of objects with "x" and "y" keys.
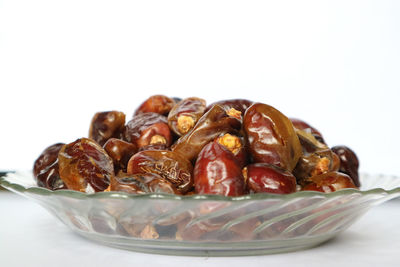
[{"x": 182, "y": 146}]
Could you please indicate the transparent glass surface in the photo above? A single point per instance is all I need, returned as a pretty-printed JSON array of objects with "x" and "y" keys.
[{"x": 205, "y": 224}]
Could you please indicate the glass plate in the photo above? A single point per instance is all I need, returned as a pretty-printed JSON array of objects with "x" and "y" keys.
[{"x": 207, "y": 225}]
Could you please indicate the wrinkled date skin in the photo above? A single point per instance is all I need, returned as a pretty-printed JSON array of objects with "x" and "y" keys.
[
  {"x": 348, "y": 162},
  {"x": 210, "y": 126},
  {"x": 217, "y": 172},
  {"x": 304, "y": 126},
  {"x": 329, "y": 182},
  {"x": 185, "y": 114},
  {"x": 106, "y": 125},
  {"x": 50, "y": 178},
  {"x": 160, "y": 104},
  {"x": 317, "y": 158},
  {"x": 45, "y": 168},
  {"x": 154, "y": 147},
  {"x": 169, "y": 165},
  {"x": 85, "y": 166},
  {"x": 148, "y": 129},
  {"x": 238, "y": 104},
  {"x": 142, "y": 183},
  {"x": 120, "y": 152},
  {"x": 267, "y": 178},
  {"x": 271, "y": 137},
  {"x": 46, "y": 158}
]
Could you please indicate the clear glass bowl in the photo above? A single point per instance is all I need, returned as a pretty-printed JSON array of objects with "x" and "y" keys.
[{"x": 206, "y": 224}]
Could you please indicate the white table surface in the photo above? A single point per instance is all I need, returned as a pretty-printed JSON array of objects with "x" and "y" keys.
[{"x": 30, "y": 236}]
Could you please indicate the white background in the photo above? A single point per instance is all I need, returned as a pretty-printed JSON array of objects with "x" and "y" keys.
[{"x": 335, "y": 64}]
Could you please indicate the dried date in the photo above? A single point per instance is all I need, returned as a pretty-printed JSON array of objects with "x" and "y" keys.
[
  {"x": 160, "y": 104},
  {"x": 271, "y": 136},
  {"x": 106, "y": 125},
  {"x": 142, "y": 183},
  {"x": 210, "y": 126},
  {"x": 85, "y": 166},
  {"x": 218, "y": 172},
  {"x": 329, "y": 182},
  {"x": 348, "y": 162},
  {"x": 267, "y": 178},
  {"x": 169, "y": 165},
  {"x": 120, "y": 152},
  {"x": 148, "y": 129},
  {"x": 185, "y": 114}
]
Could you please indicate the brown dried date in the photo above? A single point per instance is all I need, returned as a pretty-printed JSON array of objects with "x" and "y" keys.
[
  {"x": 210, "y": 126},
  {"x": 160, "y": 104},
  {"x": 218, "y": 172},
  {"x": 46, "y": 158},
  {"x": 85, "y": 166},
  {"x": 120, "y": 152},
  {"x": 169, "y": 165},
  {"x": 329, "y": 182},
  {"x": 348, "y": 162},
  {"x": 106, "y": 125},
  {"x": 271, "y": 136},
  {"x": 317, "y": 158},
  {"x": 142, "y": 183},
  {"x": 148, "y": 129},
  {"x": 267, "y": 178},
  {"x": 185, "y": 114}
]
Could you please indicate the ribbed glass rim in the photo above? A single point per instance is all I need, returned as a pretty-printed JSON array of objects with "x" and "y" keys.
[{"x": 249, "y": 197}]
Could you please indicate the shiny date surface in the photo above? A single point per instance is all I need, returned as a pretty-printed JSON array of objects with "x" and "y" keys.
[
  {"x": 85, "y": 166},
  {"x": 218, "y": 172},
  {"x": 267, "y": 178},
  {"x": 348, "y": 162},
  {"x": 185, "y": 114},
  {"x": 148, "y": 129},
  {"x": 106, "y": 125},
  {"x": 211, "y": 125},
  {"x": 329, "y": 182},
  {"x": 271, "y": 136},
  {"x": 160, "y": 104}
]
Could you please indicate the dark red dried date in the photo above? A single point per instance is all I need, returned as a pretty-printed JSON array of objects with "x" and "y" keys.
[
  {"x": 271, "y": 136},
  {"x": 169, "y": 165},
  {"x": 160, "y": 104},
  {"x": 185, "y": 114},
  {"x": 85, "y": 166},
  {"x": 106, "y": 125},
  {"x": 348, "y": 162},
  {"x": 50, "y": 178},
  {"x": 120, "y": 152},
  {"x": 210, "y": 126},
  {"x": 45, "y": 168},
  {"x": 329, "y": 182},
  {"x": 267, "y": 178},
  {"x": 46, "y": 158},
  {"x": 218, "y": 172},
  {"x": 142, "y": 183},
  {"x": 148, "y": 129}
]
